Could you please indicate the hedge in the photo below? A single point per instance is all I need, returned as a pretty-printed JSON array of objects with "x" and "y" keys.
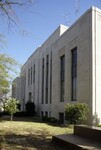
[{"x": 76, "y": 113}]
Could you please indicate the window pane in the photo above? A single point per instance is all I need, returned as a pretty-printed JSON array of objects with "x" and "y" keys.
[
  {"x": 31, "y": 75},
  {"x": 74, "y": 88},
  {"x": 51, "y": 78},
  {"x": 47, "y": 70},
  {"x": 74, "y": 74},
  {"x": 62, "y": 77},
  {"x": 34, "y": 74},
  {"x": 42, "y": 80}
]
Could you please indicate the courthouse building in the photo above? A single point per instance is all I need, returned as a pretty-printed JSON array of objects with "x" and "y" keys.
[{"x": 66, "y": 68}]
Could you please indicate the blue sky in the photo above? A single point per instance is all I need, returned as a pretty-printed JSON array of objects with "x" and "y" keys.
[{"x": 39, "y": 22}]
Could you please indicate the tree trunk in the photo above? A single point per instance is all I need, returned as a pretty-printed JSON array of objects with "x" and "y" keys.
[{"x": 11, "y": 117}]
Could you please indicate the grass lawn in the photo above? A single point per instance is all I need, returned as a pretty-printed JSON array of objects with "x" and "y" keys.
[{"x": 29, "y": 135}]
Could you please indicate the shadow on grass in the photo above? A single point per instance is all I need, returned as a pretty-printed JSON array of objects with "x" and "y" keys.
[
  {"x": 40, "y": 140},
  {"x": 25, "y": 119},
  {"x": 29, "y": 119}
]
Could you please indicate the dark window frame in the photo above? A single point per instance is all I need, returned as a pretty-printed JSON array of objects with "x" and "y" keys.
[
  {"x": 74, "y": 74},
  {"x": 51, "y": 78},
  {"x": 46, "y": 113},
  {"x": 30, "y": 96},
  {"x": 34, "y": 73},
  {"x": 42, "y": 114},
  {"x": 28, "y": 76},
  {"x": 47, "y": 78},
  {"x": 62, "y": 78},
  {"x": 43, "y": 81},
  {"x": 31, "y": 75}
]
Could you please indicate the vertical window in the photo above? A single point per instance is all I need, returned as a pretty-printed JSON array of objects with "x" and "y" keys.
[
  {"x": 42, "y": 114},
  {"x": 62, "y": 77},
  {"x": 28, "y": 76},
  {"x": 43, "y": 81},
  {"x": 74, "y": 75},
  {"x": 47, "y": 69},
  {"x": 50, "y": 114},
  {"x": 31, "y": 75},
  {"x": 61, "y": 118},
  {"x": 46, "y": 113},
  {"x": 51, "y": 78},
  {"x": 30, "y": 96},
  {"x": 34, "y": 74}
]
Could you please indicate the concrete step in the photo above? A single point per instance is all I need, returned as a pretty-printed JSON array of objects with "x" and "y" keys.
[
  {"x": 74, "y": 142},
  {"x": 86, "y": 131}
]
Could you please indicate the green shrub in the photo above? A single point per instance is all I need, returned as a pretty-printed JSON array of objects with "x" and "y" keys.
[
  {"x": 30, "y": 108},
  {"x": 20, "y": 114},
  {"x": 45, "y": 119},
  {"x": 49, "y": 119},
  {"x": 54, "y": 120},
  {"x": 76, "y": 113}
]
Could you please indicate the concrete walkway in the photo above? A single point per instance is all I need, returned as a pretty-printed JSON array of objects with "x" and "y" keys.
[{"x": 75, "y": 142}]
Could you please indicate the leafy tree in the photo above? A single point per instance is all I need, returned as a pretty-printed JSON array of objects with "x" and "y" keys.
[
  {"x": 8, "y": 15},
  {"x": 11, "y": 106},
  {"x": 7, "y": 67},
  {"x": 76, "y": 113}
]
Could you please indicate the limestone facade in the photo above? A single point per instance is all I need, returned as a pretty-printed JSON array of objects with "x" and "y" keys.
[{"x": 78, "y": 50}]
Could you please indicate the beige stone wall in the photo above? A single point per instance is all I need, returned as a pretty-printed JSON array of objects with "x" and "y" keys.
[
  {"x": 33, "y": 87},
  {"x": 96, "y": 63},
  {"x": 85, "y": 34},
  {"x": 47, "y": 49},
  {"x": 78, "y": 35}
]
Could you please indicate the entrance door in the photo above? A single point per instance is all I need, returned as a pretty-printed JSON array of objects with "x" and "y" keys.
[{"x": 61, "y": 118}]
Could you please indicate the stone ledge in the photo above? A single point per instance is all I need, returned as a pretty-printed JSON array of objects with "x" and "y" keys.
[
  {"x": 75, "y": 142},
  {"x": 90, "y": 132}
]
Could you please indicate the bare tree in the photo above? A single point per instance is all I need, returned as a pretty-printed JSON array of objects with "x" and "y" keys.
[
  {"x": 9, "y": 15},
  {"x": 8, "y": 11},
  {"x": 77, "y": 7},
  {"x": 7, "y": 8}
]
